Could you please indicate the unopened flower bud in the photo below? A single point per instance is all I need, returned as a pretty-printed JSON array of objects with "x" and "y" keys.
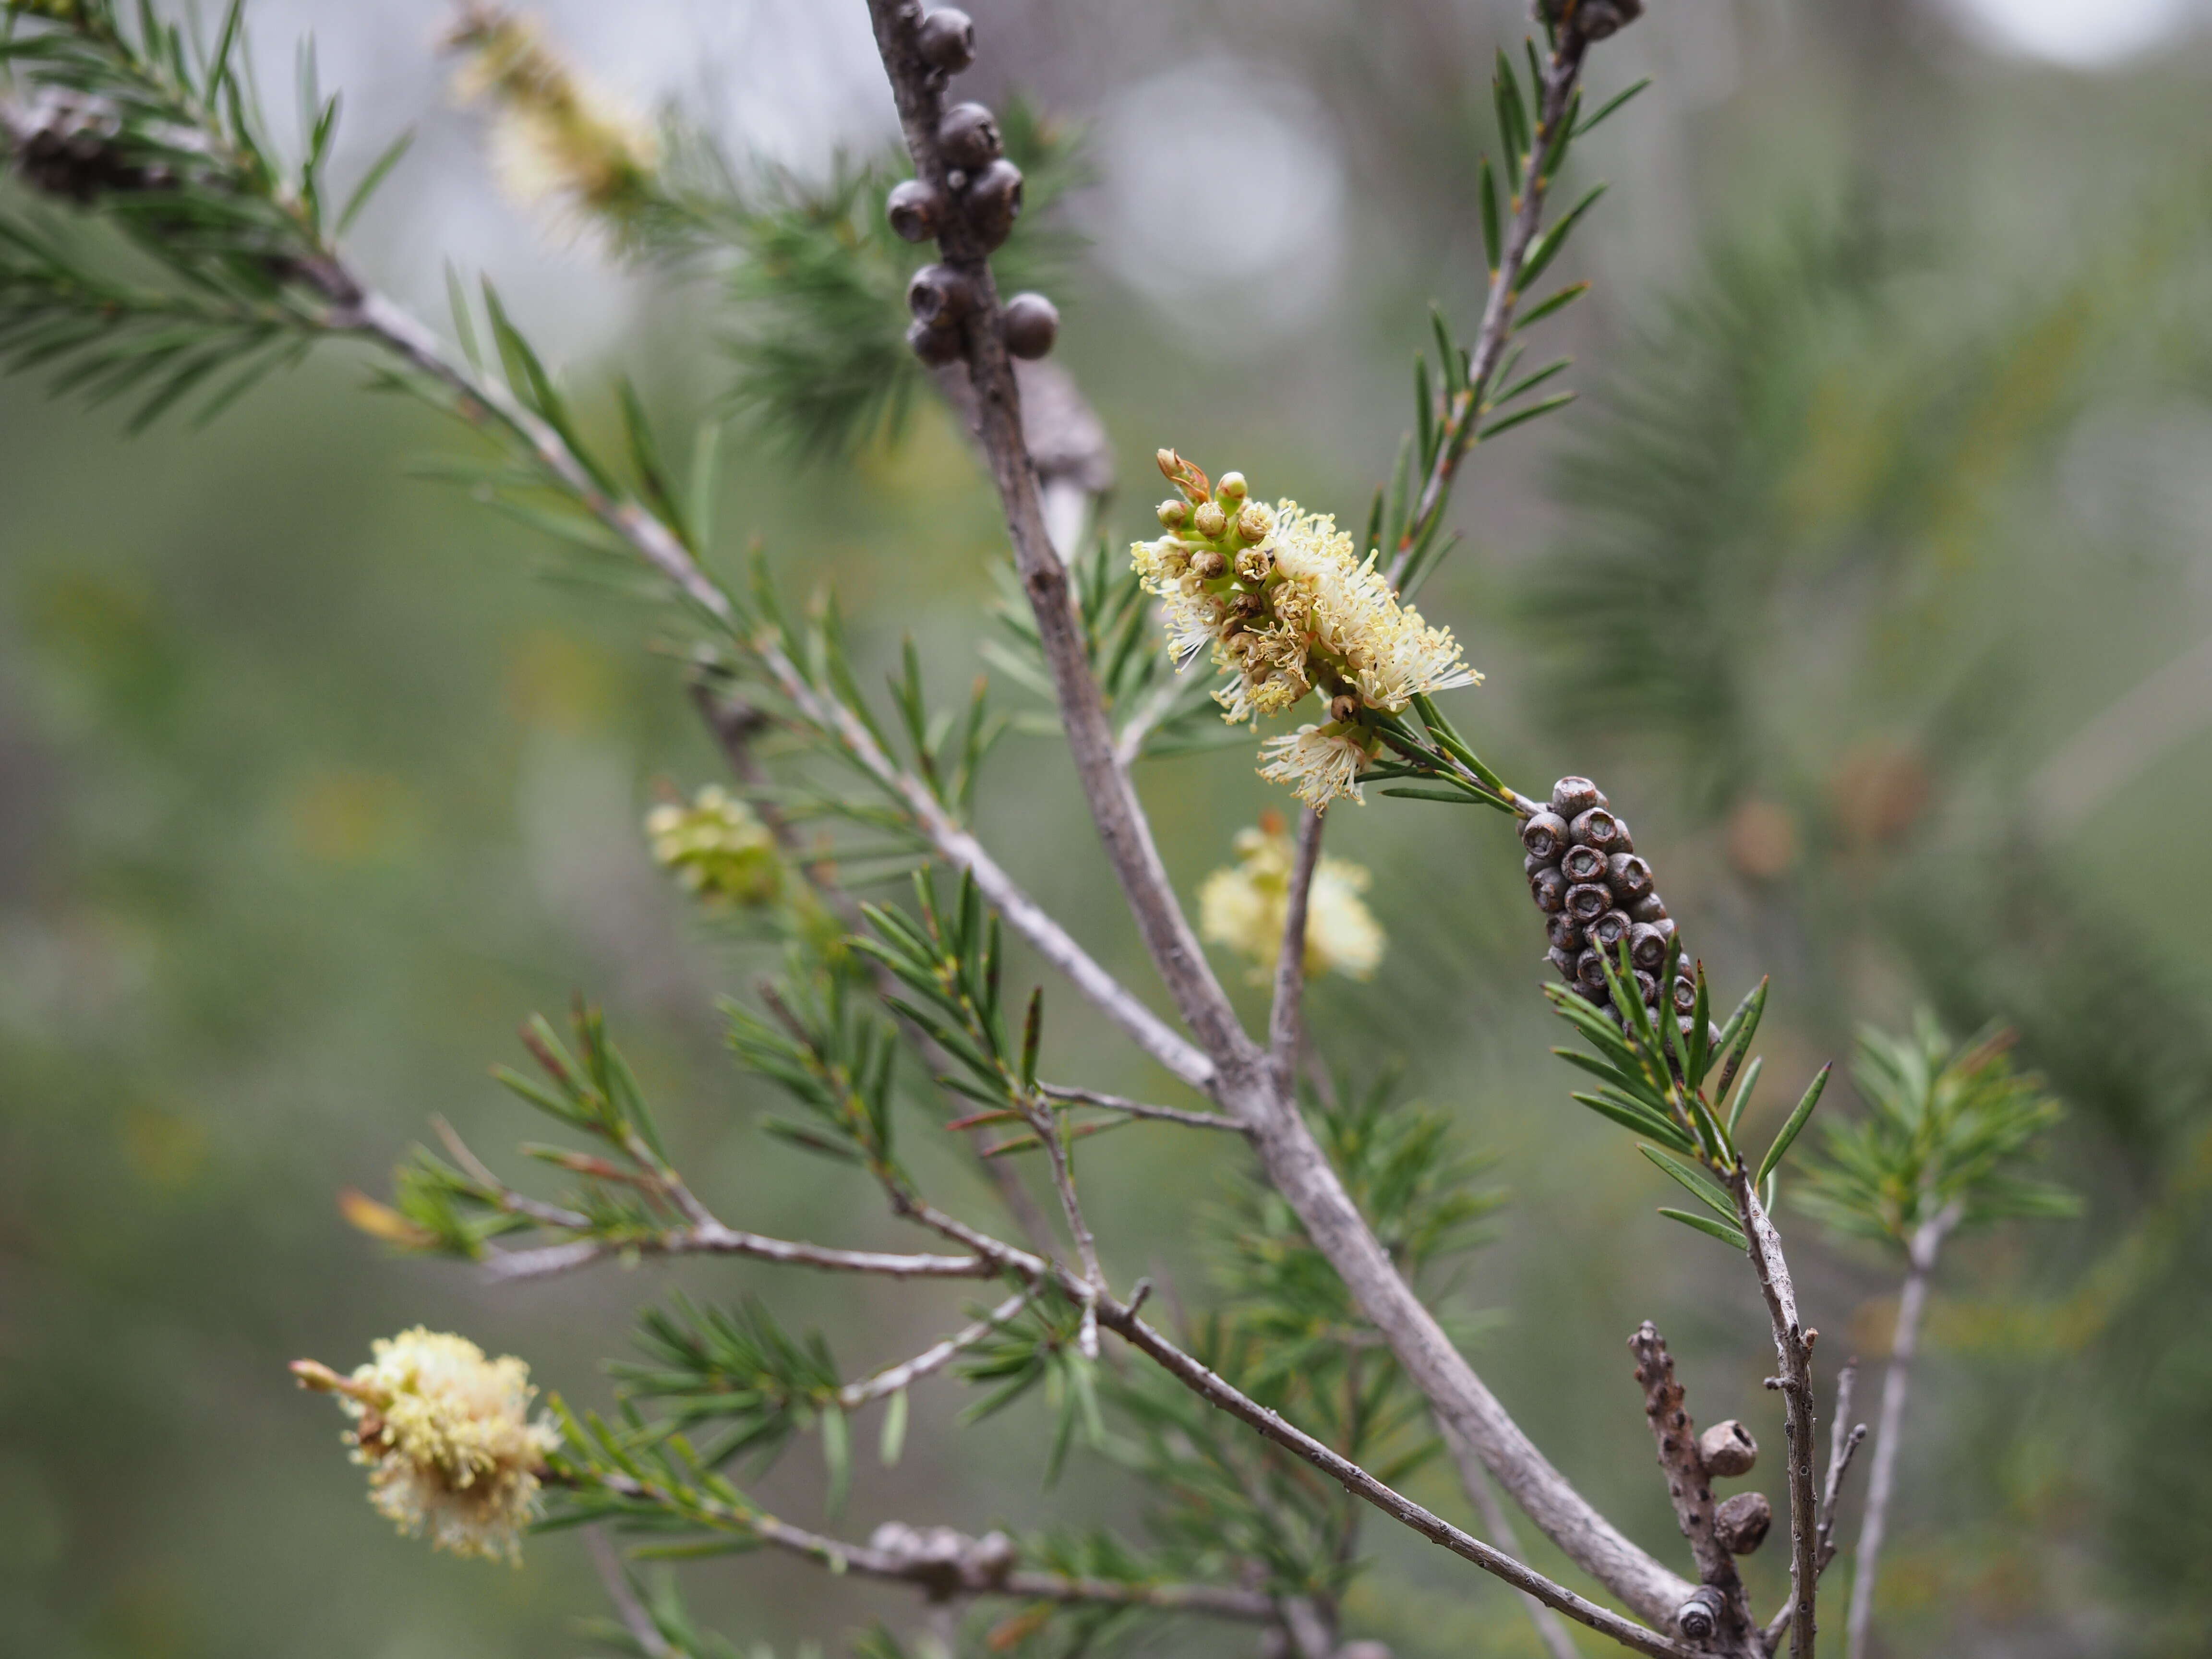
[
  {"x": 1032, "y": 324},
  {"x": 994, "y": 202},
  {"x": 1740, "y": 1523},
  {"x": 1544, "y": 834},
  {"x": 947, "y": 40},
  {"x": 1647, "y": 944},
  {"x": 1344, "y": 709},
  {"x": 1549, "y": 888},
  {"x": 1231, "y": 487},
  {"x": 1608, "y": 930},
  {"x": 1210, "y": 521},
  {"x": 915, "y": 211},
  {"x": 1250, "y": 605},
  {"x": 1596, "y": 827},
  {"x": 1174, "y": 514},
  {"x": 1586, "y": 901},
  {"x": 1629, "y": 876},
  {"x": 934, "y": 346},
  {"x": 1583, "y": 864},
  {"x": 1649, "y": 908},
  {"x": 1572, "y": 797},
  {"x": 1206, "y": 564},
  {"x": 1255, "y": 523},
  {"x": 969, "y": 137},
  {"x": 939, "y": 296},
  {"x": 1728, "y": 1449}
]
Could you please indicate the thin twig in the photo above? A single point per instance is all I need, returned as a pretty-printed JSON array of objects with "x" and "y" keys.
[
  {"x": 1286, "y": 1019},
  {"x": 1463, "y": 413},
  {"x": 1106, "y": 1102},
  {"x": 1500, "y": 1525},
  {"x": 718, "y": 1240},
  {"x": 616, "y": 1582},
  {"x": 1792, "y": 1348},
  {"x": 935, "y": 1358},
  {"x": 1927, "y": 1242},
  {"x": 1844, "y": 1438}
]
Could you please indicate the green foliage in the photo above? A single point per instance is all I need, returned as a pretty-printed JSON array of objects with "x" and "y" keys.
[
  {"x": 210, "y": 265},
  {"x": 735, "y": 1370},
  {"x": 1946, "y": 1131}
]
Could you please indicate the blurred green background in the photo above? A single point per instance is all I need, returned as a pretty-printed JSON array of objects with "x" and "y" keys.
[{"x": 1872, "y": 576}]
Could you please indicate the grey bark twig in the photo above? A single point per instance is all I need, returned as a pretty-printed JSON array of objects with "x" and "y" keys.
[
  {"x": 1286, "y": 1019},
  {"x": 616, "y": 1582},
  {"x": 1926, "y": 1243},
  {"x": 1107, "y": 1102},
  {"x": 935, "y": 1358},
  {"x": 1792, "y": 1348}
]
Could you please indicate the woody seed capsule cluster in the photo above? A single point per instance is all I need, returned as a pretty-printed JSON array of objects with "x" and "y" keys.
[
  {"x": 1596, "y": 894},
  {"x": 980, "y": 195}
]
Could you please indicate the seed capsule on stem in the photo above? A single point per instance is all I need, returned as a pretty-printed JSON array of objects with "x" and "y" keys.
[
  {"x": 939, "y": 296},
  {"x": 1564, "y": 960},
  {"x": 935, "y": 346},
  {"x": 1544, "y": 834},
  {"x": 915, "y": 211},
  {"x": 947, "y": 40},
  {"x": 1589, "y": 971},
  {"x": 968, "y": 138},
  {"x": 1549, "y": 888},
  {"x": 1032, "y": 326},
  {"x": 1596, "y": 827},
  {"x": 1651, "y": 908},
  {"x": 1564, "y": 933},
  {"x": 1684, "y": 997},
  {"x": 1583, "y": 864},
  {"x": 1629, "y": 876},
  {"x": 994, "y": 202},
  {"x": 1647, "y": 944},
  {"x": 1586, "y": 901},
  {"x": 1572, "y": 797},
  {"x": 1606, "y": 932},
  {"x": 1741, "y": 1523}
]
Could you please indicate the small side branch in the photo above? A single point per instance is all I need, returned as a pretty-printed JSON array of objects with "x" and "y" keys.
[
  {"x": 616, "y": 1582},
  {"x": 1926, "y": 1243},
  {"x": 1106, "y": 1102},
  {"x": 1687, "y": 1483},
  {"x": 1500, "y": 1525},
  {"x": 718, "y": 1240},
  {"x": 894, "y": 1378},
  {"x": 1792, "y": 1348}
]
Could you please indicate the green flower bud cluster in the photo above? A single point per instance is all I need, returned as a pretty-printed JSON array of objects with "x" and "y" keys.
[{"x": 718, "y": 850}]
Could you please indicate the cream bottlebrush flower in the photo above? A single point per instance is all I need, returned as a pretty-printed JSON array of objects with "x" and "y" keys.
[
  {"x": 446, "y": 1436},
  {"x": 555, "y": 136},
  {"x": 1244, "y": 905},
  {"x": 1288, "y": 605},
  {"x": 717, "y": 848}
]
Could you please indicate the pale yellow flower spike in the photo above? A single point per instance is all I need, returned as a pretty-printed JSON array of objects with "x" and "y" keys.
[
  {"x": 1287, "y": 606},
  {"x": 446, "y": 1436},
  {"x": 1244, "y": 906},
  {"x": 555, "y": 136},
  {"x": 718, "y": 849}
]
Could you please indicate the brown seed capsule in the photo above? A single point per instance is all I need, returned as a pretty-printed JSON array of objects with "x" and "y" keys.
[
  {"x": 939, "y": 296},
  {"x": 1573, "y": 796},
  {"x": 915, "y": 211},
  {"x": 994, "y": 202},
  {"x": 1206, "y": 564},
  {"x": 1586, "y": 901},
  {"x": 1564, "y": 933},
  {"x": 969, "y": 137},
  {"x": 1727, "y": 1449},
  {"x": 1596, "y": 828},
  {"x": 1608, "y": 930},
  {"x": 1699, "y": 1617},
  {"x": 947, "y": 40},
  {"x": 1549, "y": 888},
  {"x": 1589, "y": 971},
  {"x": 1684, "y": 996},
  {"x": 1583, "y": 864},
  {"x": 1544, "y": 834},
  {"x": 1740, "y": 1523},
  {"x": 1623, "y": 842},
  {"x": 935, "y": 346},
  {"x": 1647, "y": 988},
  {"x": 1032, "y": 324},
  {"x": 1565, "y": 962},
  {"x": 1649, "y": 908},
  {"x": 1647, "y": 944},
  {"x": 1629, "y": 876}
]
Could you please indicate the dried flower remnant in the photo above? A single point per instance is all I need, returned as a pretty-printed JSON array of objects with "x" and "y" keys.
[
  {"x": 446, "y": 1436},
  {"x": 1244, "y": 906},
  {"x": 1286, "y": 604},
  {"x": 717, "y": 848},
  {"x": 555, "y": 136}
]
